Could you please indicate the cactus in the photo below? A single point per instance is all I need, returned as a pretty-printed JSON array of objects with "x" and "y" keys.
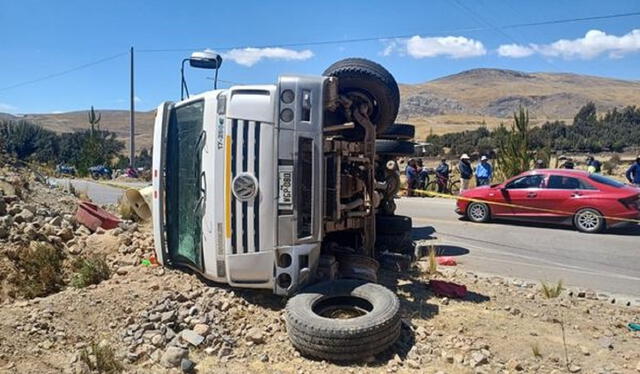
[{"x": 94, "y": 119}]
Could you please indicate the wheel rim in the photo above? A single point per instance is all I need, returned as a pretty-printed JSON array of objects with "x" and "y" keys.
[
  {"x": 342, "y": 307},
  {"x": 588, "y": 220},
  {"x": 478, "y": 212}
]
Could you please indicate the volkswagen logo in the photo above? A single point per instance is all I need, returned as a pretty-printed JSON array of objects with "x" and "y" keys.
[{"x": 245, "y": 187}]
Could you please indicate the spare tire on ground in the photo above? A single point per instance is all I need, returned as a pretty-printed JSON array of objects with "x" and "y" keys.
[
  {"x": 366, "y": 81},
  {"x": 343, "y": 320},
  {"x": 393, "y": 224}
]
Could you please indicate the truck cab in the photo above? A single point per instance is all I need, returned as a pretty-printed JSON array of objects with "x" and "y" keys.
[{"x": 254, "y": 184}]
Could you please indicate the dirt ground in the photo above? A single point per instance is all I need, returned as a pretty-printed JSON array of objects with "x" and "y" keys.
[
  {"x": 501, "y": 326},
  {"x": 143, "y": 314}
]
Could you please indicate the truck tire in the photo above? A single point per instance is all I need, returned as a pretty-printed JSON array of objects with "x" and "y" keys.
[
  {"x": 393, "y": 224},
  {"x": 316, "y": 329},
  {"x": 360, "y": 76},
  {"x": 394, "y": 147},
  {"x": 398, "y": 131}
]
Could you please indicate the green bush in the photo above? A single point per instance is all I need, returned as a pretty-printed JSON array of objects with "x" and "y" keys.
[
  {"x": 91, "y": 270},
  {"x": 101, "y": 358}
]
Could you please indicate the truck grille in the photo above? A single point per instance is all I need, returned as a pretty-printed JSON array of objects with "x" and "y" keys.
[{"x": 245, "y": 215}]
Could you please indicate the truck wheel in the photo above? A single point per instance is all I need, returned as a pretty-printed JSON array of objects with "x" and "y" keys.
[
  {"x": 393, "y": 224},
  {"x": 398, "y": 131},
  {"x": 343, "y": 320},
  {"x": 394, "y": 147},
  {"x": 387, "y": 207},
  {"x": 372, "y": 83}
]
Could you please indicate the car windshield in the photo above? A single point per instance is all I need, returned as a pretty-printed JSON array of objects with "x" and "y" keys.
[{"x": 605, "y": 180}]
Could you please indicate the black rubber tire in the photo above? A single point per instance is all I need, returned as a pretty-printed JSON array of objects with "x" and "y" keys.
[
  {"x": 473, "y": 218},
  {"x": 393, "y": 224},
  {"x": 373, "y": 80},
  {"x": 343, "y": 339},
  {"x": 398, "y": 131},
  {"x": 394, "y": 147},
  {"x": 600, "y": 219}
]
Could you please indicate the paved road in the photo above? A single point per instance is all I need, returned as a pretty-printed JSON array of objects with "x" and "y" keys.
[
  {"x": 609, "y": 261},
  {"x": 98, "y": 192}
]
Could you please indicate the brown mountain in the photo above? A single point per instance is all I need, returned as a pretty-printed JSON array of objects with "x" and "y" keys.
[
  {"x": 456, "y": 102},
  {"x": 468, "y": 99}
]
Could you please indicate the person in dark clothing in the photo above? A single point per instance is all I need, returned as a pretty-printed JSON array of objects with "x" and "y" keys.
[
  {"x": 568, "y": 164},
  {"x": 423, "y": 175},
  {"x": 442, "y": 175},
  {"x": 633, "y": 173},
  {"x": 593, "y": 165},
  {"x": 412, "y": 175},
  {"x": 466, "y": 172}
]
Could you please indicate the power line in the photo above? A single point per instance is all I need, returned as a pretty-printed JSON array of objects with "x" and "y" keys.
[
  {"x": 71, "y": 70},
  {"x": 379, "y": 38}
]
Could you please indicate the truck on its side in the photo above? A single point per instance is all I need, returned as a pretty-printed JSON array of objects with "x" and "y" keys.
[{"x": 286, "y": 185}]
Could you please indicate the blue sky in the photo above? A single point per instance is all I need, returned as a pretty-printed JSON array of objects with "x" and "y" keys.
[{"x": 40, "y": 38}]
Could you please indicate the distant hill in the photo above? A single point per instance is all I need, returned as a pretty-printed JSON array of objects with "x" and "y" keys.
[
  {"x": 453, "y": 103},
  {"x": 112, "y": 120},
  {"x": 463, "y": 101}
]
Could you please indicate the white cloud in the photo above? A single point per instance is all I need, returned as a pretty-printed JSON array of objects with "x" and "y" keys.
[
  {"x": 137, "y": 99},
  {"x": 515, "y": 51},
  {"x": 450, "y": 46},
  {"x": 593, "y": 44},
  {"x": 251, "y": 56},
  {"x": 7, "y": 108}
]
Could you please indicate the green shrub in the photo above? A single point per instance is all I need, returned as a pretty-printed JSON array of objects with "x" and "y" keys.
[{"x": 91, "y": 270}]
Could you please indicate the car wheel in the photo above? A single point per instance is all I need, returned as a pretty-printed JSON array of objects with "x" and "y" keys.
[
  {"x": 343, "y": 320},
  {"x": 588, "y": 220},
  {"x": 478, "y": 212}
]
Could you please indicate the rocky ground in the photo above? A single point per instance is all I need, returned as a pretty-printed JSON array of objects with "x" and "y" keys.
[{"x": 148, "y": 319}]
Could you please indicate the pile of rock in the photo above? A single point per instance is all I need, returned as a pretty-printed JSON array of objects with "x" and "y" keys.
[{"x": 213, "y": 320}]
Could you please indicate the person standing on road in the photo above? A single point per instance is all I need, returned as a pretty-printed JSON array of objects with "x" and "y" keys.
[
  {"x": 484, "y": 172},
  {"x": 466, "y": 172},
  {"x": 423, "y": 175},
  {"x": 442, "y": 176},
  {"x": 633, "y": 173},
  {"x": 593, "y": 165},
  {"x": 411, "y": 172}
]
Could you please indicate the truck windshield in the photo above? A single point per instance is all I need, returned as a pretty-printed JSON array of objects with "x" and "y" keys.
[{"x": 183, "y": 168}]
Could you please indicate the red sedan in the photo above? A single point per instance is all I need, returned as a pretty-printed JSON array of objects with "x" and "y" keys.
[{"x": 589, "y": 202}]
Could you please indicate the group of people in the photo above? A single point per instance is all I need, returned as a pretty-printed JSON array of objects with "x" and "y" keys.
[
  {"x": 483, "y": 172},
  {"x": 418, "y": 175}
]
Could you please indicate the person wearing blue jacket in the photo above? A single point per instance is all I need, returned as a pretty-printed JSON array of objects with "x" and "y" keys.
[
  {"x": 633, "y": 173},
  {"x": 484, "y": 172}
]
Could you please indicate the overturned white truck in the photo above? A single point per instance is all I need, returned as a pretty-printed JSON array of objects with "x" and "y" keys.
[{"x": 286, "y": 186}]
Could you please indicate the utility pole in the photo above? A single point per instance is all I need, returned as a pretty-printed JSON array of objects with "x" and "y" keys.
[{"x": 132, "y": 119}]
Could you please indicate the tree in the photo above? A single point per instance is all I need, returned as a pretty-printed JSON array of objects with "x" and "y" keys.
[{"x": 514, "y": 155}]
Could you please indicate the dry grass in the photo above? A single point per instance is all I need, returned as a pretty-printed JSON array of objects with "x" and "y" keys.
[
  {"x": 550, "y": 291},
  {"x": 433, "y": 262},
  {"x": 101, "y": 358},
  {"x": 535, "y": 349},
  {"x": 39, "y": 269}
]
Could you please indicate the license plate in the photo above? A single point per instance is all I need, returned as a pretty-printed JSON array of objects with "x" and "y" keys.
[{"x": 285, "y": 197}]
